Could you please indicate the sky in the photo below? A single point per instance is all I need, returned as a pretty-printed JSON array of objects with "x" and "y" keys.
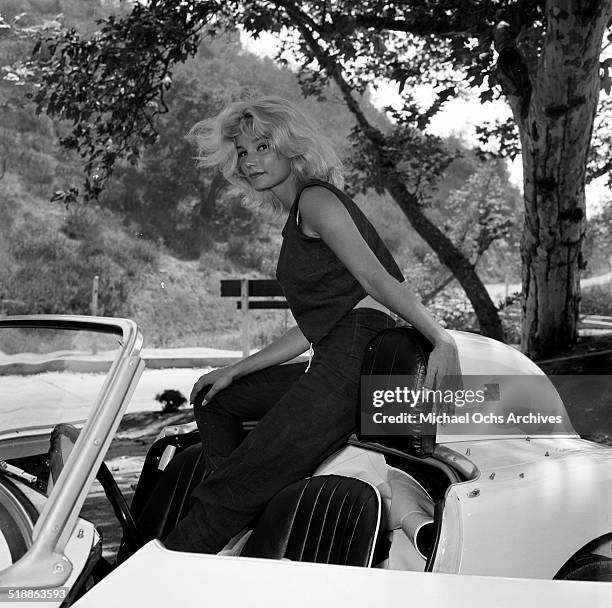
[{"x": 458, "y": 118}]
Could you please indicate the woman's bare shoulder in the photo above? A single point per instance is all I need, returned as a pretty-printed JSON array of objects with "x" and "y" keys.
[{"x": 318, "y": 199}]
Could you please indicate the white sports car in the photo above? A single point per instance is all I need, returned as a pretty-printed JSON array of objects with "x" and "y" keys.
[{"x": 516, "y": 493}]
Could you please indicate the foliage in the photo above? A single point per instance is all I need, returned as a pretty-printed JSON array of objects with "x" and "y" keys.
[
  {"x": 452, "y": 309},
  {"x": 103, "y": 67},
  {"x": 600, "y": 152},
  {"x": 168, "y": 197},
  {"x": 598, "y": 241},
  {"x": 597, "y": 300},
  {"x": 51, "y": 273},
  {"x": 171, "y": 399},
  {"x": 479, "y": 213}
]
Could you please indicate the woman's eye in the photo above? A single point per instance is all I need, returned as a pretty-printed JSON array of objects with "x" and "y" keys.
[
  {"x": 241, "y": 153},
  {"x": 262, "y": 146}
]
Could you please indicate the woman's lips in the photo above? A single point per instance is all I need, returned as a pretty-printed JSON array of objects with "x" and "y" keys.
[{"x": 256, "y": 175}]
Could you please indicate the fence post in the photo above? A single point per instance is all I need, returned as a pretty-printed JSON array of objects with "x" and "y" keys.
[
  {"x": 93, "y": 307},
  {"x": 244, "y": 303}
]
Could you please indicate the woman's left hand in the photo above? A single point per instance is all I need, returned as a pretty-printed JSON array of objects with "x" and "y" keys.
[{"x": 443, "y": 369}]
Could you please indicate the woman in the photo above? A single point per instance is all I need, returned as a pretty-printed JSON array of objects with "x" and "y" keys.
[{"x": 340, "y": 282}]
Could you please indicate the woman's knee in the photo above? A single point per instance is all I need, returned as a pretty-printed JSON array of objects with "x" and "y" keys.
[{"x": 219, "y": 404}]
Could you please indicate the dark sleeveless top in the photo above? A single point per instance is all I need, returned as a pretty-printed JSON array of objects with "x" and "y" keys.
[{"x": 317, "y": 285}]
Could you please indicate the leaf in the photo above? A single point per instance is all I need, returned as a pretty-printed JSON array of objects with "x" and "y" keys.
[{"x": 486, "y": 96}]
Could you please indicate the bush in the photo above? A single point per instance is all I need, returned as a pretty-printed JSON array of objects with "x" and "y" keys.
[
  {"x": 81, "y": 223},
  {"x": 454, "y": 311},
  {"x": 171, "y": 399},
  {"x": 597, "y": 300},
  {"x": 51, "y": 273}
]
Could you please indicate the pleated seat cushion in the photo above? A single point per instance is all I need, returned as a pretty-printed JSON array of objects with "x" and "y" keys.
[
  {"x": 326, "y": 519},
  {"x": 169, "y": 501}
]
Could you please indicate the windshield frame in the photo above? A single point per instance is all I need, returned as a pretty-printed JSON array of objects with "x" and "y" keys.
[{"x": 45, "y": 563}]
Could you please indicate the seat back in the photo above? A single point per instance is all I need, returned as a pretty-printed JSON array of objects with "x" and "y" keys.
[
  {"x": 400, "y": 351},
  {"x": 168, "y": 499},
  {"x": 326, "y": 519}
]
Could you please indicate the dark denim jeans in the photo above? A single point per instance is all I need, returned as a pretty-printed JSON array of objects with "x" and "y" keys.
[{"x": 304, "y": 417}]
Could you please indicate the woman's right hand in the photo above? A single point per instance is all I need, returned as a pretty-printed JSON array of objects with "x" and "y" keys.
[{"x": 214, "y": 381}]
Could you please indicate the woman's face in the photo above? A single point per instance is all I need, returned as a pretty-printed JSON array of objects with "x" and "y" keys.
[{"x": 260, "y": 163}]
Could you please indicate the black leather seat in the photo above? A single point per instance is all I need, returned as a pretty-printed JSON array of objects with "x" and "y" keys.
[
  {"x": 168, "y": 500},
  {"x": 400, "y": 351},
  {"x": 327, "y": 519}
]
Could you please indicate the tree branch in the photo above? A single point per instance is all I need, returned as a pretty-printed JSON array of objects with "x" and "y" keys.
[
  {"x": 512, "y": 71},
  {"x": 418, "y": 27},
  {"x": 437, "y": 289},
  {"x": 333, "y": 70},
  {"x": 600, "y": 171}
]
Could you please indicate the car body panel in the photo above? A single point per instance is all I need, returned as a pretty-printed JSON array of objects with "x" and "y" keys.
[
  {"x": 189, "y": 579},
  {"x": 517, "y": 479}
]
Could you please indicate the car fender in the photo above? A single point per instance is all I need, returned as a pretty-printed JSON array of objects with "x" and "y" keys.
[{"x": 532, "y": 505}]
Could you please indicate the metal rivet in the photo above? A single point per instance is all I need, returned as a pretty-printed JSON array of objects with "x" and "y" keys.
[
  {"x": 96, "y": 442},
  {"x": 492, "y": 476},
  {"x": 474, "y": 493},
  {"x": 55, "y": 529},
  {"x": 80, "y": 533},
  {"x": 57, "y": 568}
]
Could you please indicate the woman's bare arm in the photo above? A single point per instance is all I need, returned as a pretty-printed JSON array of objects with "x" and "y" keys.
[{"x": 289, "y": 345}]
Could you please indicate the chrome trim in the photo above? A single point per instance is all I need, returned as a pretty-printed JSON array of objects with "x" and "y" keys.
[{"x": 456, "y": 461}]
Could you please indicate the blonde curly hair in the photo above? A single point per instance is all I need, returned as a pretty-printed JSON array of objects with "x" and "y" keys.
[{"x": 289, "y": 131}]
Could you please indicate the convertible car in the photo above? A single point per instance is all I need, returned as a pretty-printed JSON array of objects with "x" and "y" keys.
[{"x": 495, "y": 484}]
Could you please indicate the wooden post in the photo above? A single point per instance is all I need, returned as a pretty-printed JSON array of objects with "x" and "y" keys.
[
  {"x": 93, "y": 307},
  {"x": 244, "y": 304}
]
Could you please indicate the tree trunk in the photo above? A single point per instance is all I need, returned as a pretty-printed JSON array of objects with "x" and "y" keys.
[
  {"x": 209, "y": 196},
  {"x": 452, "y": 258},
  {"x": 555, "y": 120}
]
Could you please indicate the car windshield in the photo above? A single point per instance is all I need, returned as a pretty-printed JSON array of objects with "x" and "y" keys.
[{"x": 49, "y": 376}]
